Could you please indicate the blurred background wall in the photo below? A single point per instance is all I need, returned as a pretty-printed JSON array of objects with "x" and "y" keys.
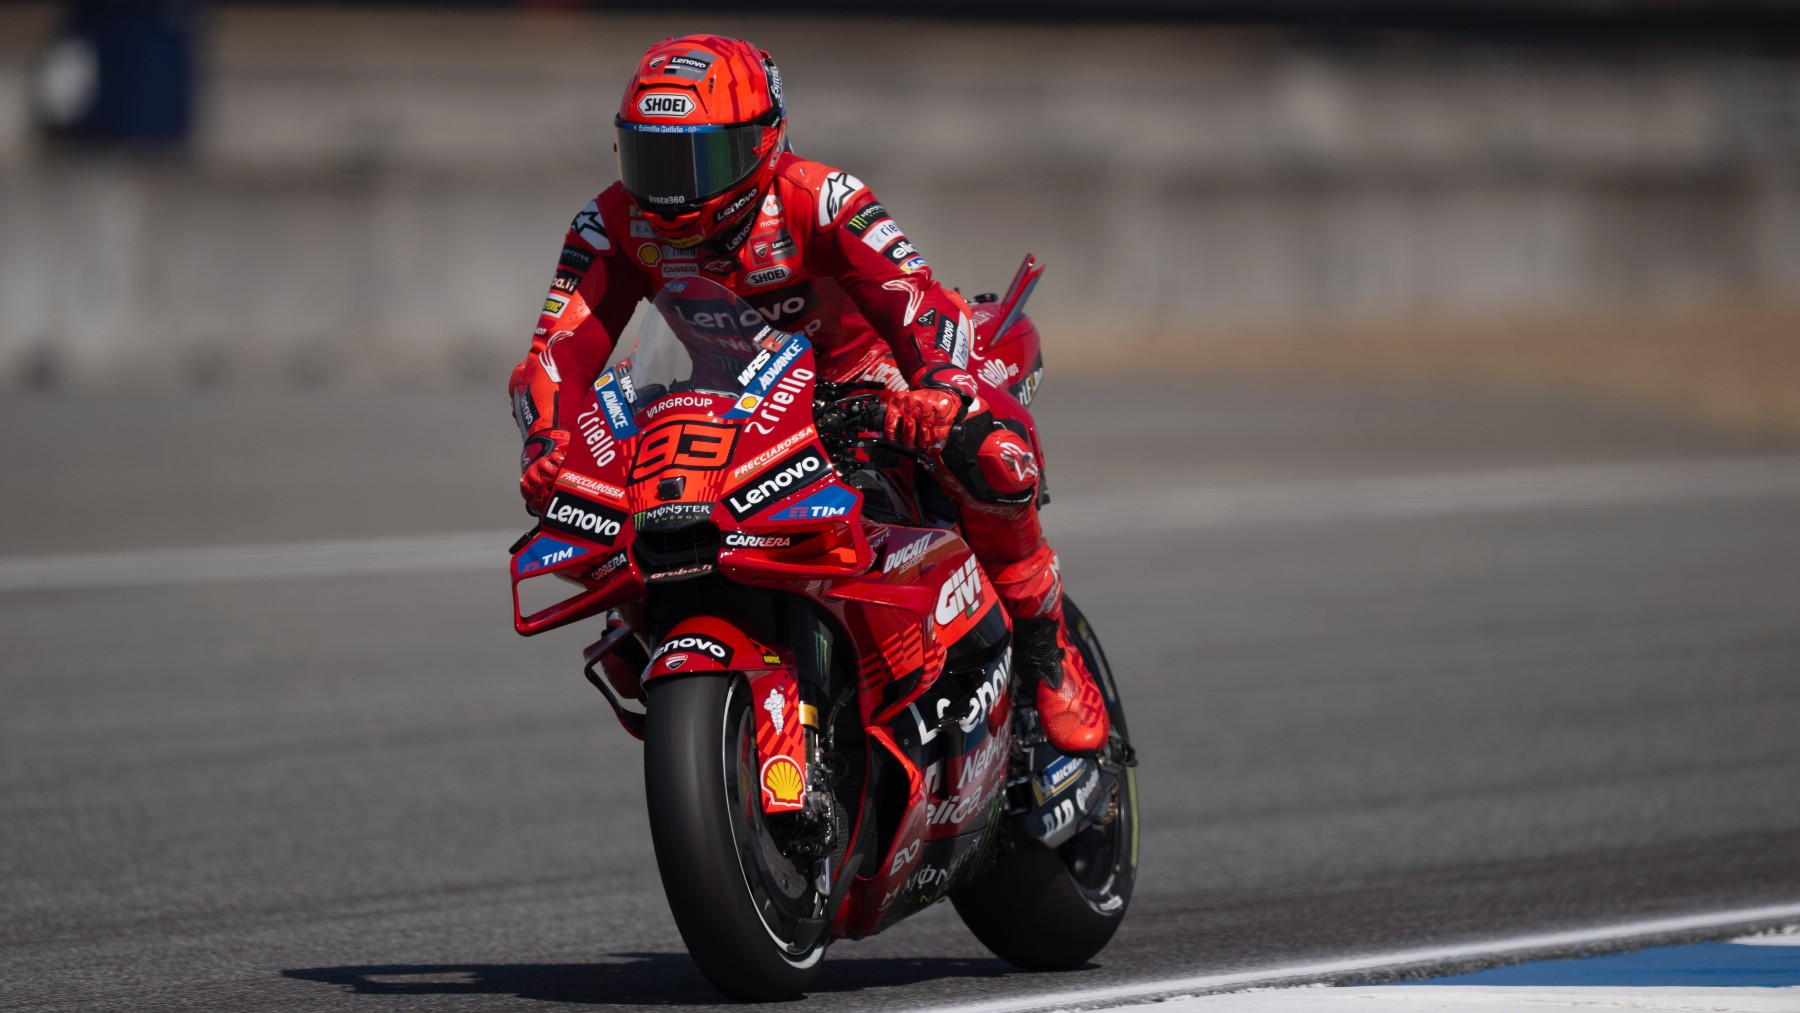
[{"x": 378, "y": 192}]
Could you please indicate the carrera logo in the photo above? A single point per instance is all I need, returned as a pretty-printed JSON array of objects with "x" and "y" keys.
[
  {"x": 582, "y": 516},
  {"x": 796, "y": 472},
  {"x": 961, "y": 594},
  {"x": 768, "y": 276},
  {"x": 699, "y": 446},
  {"x": 697, "y": 643},
  {"x": 665, "y": 103},
  {"x": 743, "y": 540},
  {"x": 608, "y": 568}
]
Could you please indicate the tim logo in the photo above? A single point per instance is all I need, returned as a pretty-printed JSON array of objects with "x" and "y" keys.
[
  {"x": 696, "y": 446},
  {"x": 665, "y": 103}
]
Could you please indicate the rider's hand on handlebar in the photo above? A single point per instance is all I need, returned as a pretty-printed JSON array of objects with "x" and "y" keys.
[
  {"x": 921, "y": 419},
  {"x": 541, "y": 459}
]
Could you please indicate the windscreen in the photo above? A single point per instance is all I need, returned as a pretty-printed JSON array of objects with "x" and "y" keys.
[{"x": 700, "y": 338}]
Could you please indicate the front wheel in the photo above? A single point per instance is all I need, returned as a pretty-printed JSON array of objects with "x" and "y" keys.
[
  {"x": 748, "y": 914},
  {"x": 1053, "y": 910}
]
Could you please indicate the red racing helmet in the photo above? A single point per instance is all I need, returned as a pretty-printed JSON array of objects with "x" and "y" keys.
[{"x": 700, "y": 128}]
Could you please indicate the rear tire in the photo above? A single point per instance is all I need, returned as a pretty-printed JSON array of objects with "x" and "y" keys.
[
  {"x": 735, "y": 898},
  {"x": 1054, "y": 910}
]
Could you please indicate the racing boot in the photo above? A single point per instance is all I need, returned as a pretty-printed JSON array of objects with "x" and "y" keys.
[{"x": 1069, "y": 703}]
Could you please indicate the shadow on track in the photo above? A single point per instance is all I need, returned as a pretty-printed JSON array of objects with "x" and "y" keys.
[{"x": 637, "y": 979}]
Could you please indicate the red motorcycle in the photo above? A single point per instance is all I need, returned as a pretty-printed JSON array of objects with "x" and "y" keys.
[{"x": 831, "y": 737}]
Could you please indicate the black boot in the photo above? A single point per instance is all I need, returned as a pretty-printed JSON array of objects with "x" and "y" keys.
[{"x": 1037, "y": 656}]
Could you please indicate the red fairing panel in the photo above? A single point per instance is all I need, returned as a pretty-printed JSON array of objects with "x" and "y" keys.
[
  {"x": 780, "y": 742},
  {"x": 710, "y": 644}
]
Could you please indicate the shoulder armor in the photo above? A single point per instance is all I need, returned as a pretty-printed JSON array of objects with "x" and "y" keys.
[{"x": 832, "y": 189}]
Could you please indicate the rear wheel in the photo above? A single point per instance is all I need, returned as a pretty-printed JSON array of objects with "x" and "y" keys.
[
  {"x": 748, "y": 914},
  {"x": 1053, "y": 910}
]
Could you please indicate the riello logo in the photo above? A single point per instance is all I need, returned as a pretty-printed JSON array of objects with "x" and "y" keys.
[{"x": 665, "y": 103}]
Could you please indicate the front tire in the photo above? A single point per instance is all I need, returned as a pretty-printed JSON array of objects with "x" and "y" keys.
[
  {"x": 738, "y": 902},
  {"x": 1053, "y": 910}
]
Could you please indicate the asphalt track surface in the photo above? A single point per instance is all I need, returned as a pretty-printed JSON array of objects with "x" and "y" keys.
[{"x": 1360, "y": 731}]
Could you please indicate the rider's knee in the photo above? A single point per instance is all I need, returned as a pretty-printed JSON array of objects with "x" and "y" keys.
[{"x": 993, "y": 460}]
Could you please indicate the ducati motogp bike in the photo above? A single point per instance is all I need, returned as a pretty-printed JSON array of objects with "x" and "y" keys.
[{"x": 818, "y": 667}]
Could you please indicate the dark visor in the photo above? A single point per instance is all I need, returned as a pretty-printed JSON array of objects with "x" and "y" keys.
[{"x": 673, "y": 167}]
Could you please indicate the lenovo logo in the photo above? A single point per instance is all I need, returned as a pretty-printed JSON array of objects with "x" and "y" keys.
[{"x": 797, "y": 472}]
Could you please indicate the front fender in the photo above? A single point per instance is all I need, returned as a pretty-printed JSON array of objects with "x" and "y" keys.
[{"x": 706, "y": 644}]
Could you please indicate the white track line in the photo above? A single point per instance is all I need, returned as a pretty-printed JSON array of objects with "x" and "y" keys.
[
  {"x": 1547, "y": 943},
  {"x": 1195, "y": 508}
]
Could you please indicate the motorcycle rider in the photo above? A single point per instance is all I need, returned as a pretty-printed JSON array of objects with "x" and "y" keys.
[{"x": 708, "y": 187}]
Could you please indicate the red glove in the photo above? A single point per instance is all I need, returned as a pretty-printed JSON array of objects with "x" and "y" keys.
[
  {"x": 921, "y": 419},
  {"x": 539, "y": 462}
]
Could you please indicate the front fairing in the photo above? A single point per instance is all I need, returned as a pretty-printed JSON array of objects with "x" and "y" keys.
[{"x": 696, "y": 455}]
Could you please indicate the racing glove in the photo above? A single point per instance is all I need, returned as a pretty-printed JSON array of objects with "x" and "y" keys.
[
  {"x": 541, "y": 459},
  {"x": 922, "y": 418}
]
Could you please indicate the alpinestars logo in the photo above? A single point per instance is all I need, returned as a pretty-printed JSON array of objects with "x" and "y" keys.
[
  {"x": 961, "y": 594},
  {"x": 672, "y": 104},
  {"x": 839, "y": 187},
  {"x": 796, "y": 472},
  {"x": 590, "y": 228}
]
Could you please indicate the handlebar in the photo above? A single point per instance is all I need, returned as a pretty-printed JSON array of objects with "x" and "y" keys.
[{"x": 844, "y": 412}]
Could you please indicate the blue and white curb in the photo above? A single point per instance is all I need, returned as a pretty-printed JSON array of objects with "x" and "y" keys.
[
  {"x": 1771, "y": 959},
  {"x": 1749, "y": 974}
]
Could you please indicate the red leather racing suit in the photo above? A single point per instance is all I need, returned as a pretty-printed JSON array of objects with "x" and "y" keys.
[{"x": 820, "y": 256}]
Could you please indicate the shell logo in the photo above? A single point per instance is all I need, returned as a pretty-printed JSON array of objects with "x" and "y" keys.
[{"x": 782, "y": 782}]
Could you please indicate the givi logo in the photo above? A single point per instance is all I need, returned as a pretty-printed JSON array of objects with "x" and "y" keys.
[
  {"x": 665, "y": 103},
  {"x": 960, "y": 594}
]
